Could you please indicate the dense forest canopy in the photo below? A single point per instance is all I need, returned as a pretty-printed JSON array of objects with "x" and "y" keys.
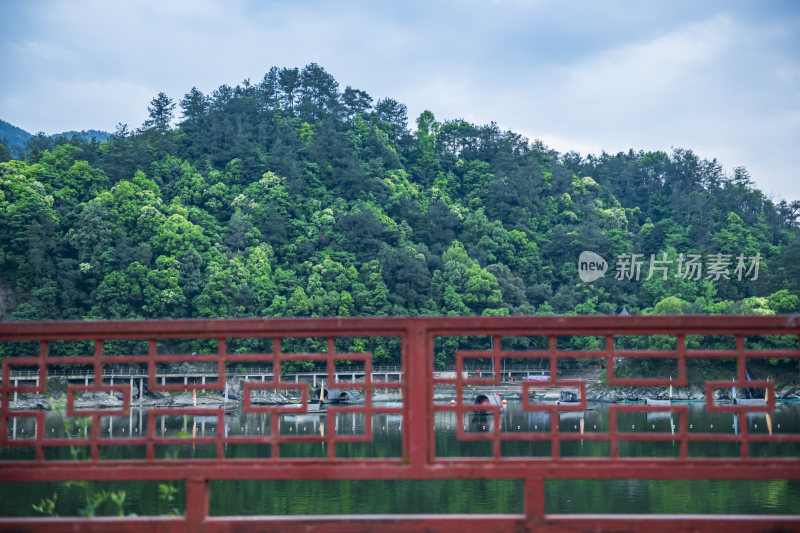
[{"x": 294, "y": 197}]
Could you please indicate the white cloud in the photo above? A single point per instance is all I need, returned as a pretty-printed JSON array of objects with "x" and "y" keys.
[
  {"x": 721, "y": 79},
  {"x": 42, "y": 51},
  {"x": 81, "y": 105},
  {"x": 682, "y": 89}
]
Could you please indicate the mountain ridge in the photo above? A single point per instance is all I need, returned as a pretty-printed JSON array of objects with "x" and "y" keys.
[
  {"x": 16, "y": 138},
  {"x": 292, "y": 197}
]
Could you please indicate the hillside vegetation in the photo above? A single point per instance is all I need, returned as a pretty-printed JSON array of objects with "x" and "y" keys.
[{"x": 293, "y": 197}]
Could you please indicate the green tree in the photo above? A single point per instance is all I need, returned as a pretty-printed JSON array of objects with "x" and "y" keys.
[
  {"x": 318, "y": 92},
  {"x": 194, "y": 105},
  {"x": 5, "y": 152},
  {"x": 160, "y": 112},
  {"x": 288, "y": 79},
  {"x": 356, "y": 102},
  {"x": 462, "y": 280},
  {"x": 394, "y": 116},
  {"x": 299, "y": 304},
  {"x": 783, "y": 302},
  {"x": 162, "y": 293},
  {"x": 117, "y": 297}
]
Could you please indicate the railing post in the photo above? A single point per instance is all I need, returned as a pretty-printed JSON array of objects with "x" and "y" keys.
[
  {"x": 196, "y": 504},
  {"x": 534, "y": 491},
  {"x": 419, "y": 421}
]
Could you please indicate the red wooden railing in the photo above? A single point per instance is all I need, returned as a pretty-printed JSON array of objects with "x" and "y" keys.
[{"x": 419, "y": 460}]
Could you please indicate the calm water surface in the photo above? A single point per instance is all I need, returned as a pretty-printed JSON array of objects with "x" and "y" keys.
[{"x": 457, "y": 496}]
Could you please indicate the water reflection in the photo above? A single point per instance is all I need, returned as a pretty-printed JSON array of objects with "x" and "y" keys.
[
  {"x": 384, "y": 435},
  {"x": 481, "y": 422},
  {"x": 385, "y": 430}
]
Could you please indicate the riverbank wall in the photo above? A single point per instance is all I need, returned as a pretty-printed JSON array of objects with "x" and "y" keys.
[{"x": 596, "y": 390}]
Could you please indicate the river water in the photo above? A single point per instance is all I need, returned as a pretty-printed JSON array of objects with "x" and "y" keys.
[{"x": 432, "y": 496}]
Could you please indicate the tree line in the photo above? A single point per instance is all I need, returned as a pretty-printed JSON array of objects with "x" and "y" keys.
[{"x": 292, "y": 197}]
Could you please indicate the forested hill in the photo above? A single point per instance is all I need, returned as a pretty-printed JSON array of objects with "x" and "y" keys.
[
  {"x": 12, "y": 136},
  {"x": 17, "y": 142},
  {"x": 295, "y": 197}
]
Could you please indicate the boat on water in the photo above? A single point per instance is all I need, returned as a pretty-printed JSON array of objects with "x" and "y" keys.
[
  {"x": 229, "y": 408},
  {"x": 559, "y": 397},
  {"x": 488, "y": 399},
  {"x": 337, "y": 396},
  {"x": 539, "y": 383},
  {"x": 653, "y": 401},
  {"x": 313, "y": 411},
  {"x": 569, "y": 396},
  {"x": 750, "y": 401}
]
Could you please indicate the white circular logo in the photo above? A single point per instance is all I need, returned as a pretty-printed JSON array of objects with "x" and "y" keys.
[{"x": 591, "y": 266}]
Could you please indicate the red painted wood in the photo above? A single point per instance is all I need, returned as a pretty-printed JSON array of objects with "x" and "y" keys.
[{"x": 418, "y": 460}]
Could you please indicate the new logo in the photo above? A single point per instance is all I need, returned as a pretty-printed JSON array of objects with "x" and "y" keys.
[{"x": 591, "y": 266}]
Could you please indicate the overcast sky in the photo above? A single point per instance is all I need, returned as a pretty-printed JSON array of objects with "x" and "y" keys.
[{"x": 720, "y": 78}]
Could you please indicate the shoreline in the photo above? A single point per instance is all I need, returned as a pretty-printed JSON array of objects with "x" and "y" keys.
[{"x": 595, "y": 392}]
